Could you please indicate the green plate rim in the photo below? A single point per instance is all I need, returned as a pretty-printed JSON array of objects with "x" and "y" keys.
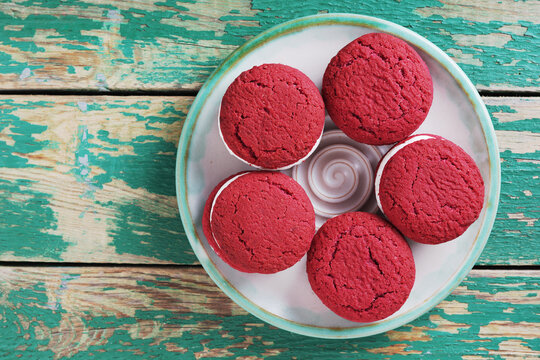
[{"x": 378, "y": 25}]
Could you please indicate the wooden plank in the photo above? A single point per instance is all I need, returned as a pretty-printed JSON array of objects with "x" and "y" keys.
[
  {"x": 127, "y": 45},
  {"x": 515, "y": 234},
  {"x": 91, "y": 179},
  {"x": 56, "y": 312}
]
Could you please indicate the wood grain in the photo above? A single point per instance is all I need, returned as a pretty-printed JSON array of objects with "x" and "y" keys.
[
  {"x": 87, "y": 179},
  {"x": 134, "y": 312},
  {"x": 91, "y": 179},
  {"x": 517, "y": 126},
  {"x": 168, "y": 45}
]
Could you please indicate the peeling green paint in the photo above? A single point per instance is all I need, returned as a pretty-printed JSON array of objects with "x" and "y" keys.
[
  {"x": 181, "y": 27},
  {"x": 148, "y": 156},
  {"x": 135, "y": 230},
  {"x": 141, "y": 232},
  {"x": 177, "y": 44},
  {"x": 21, "y": 133},
  {"x": 437, "y": 334},
  {"x": 513, "y": 240},
  {"x": 146, "y": 162},
  {"x": 27, "y": 224},
  {"x": 530, "y": 124},
  {"x": 182, "y": 42}
]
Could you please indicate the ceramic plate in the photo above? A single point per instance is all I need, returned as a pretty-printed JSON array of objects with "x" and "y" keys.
[{"x": 285, "y": 299}]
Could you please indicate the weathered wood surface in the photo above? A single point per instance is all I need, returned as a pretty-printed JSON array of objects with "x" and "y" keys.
[
  {"x": 170, "y": 313},
  {"x": 170, "y": 45},
  {"x": 91, "y": 179}
]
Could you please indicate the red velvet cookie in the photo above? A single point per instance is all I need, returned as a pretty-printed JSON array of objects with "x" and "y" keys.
[
  {"x": 272, "y": 116},
  {"x": 377, "y": 89},
  {"x": 360, "y": 267},
  {"x": 262, "y": 222},
  {"x": 429, "y": 188}
]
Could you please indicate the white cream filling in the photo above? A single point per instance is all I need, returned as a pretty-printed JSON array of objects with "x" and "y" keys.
[
  {"x": 260, "y": 167},
  {"x": 387, "y": 158}
]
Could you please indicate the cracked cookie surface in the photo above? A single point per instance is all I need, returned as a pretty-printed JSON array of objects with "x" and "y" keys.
[
  {"x": 262, "y": 222},
  {"x": 431, "y": 190},
  {"x": 377, "y": 89},
  {"x": 272, "y": 116},
  {"x": 360, "y": 267}
]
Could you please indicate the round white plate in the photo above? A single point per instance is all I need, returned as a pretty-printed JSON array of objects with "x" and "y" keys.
[{"x": 285, "y": 299}]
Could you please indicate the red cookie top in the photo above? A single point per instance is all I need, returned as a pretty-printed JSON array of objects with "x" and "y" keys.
[
  {"x": 262, "y": 222},
  {"x": 377, "y": 89},
  {"x": 271, "y": 116},
  {"x": 207, "y": 230},
  {"x": 360, "y": 267},
  {"x": 430, "y": 189}
]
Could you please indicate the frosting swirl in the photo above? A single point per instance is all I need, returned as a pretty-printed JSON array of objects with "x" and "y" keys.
[{"x": 339, "y": 176}]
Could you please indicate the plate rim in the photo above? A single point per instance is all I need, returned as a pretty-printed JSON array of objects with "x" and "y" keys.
[{"x": 378, "y": 25}]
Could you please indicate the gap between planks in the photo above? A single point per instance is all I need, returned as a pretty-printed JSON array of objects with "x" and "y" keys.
[
  {"x": 180, "y": 92},
  {"x": 184, "y": 266},
  {"x": 90, "y": 92}
]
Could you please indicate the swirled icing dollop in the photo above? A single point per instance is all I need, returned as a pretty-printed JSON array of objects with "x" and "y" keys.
[{"x": 339, "y": 176}]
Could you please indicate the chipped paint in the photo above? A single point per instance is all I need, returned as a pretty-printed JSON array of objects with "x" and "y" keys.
[
  {"x": 520, "y": 159},
  {"x": 521, "y": 217},
  {"x": 515, "y": 348},
  {"x": 514, "y": 29},
  {"x": 523, "y": 111},
  {"x": 447, "y": 325},
  {"x": 109, "y": 151},
  {"x": 522, "y": 329},
  {"x": 518, "y": 142},
  {"x": 107, "y": 209},
  {"x": 25, "y": 73},
  {"x": 455, "y": 307},
  {"x": 76, "y": 312},
  {"x": 176, "y": 45},
  {"x": 477, "y": 41},
  {"x": 503, "y": 11},
  {"x": 82, "y": 105},
  {"x": 464, "y": 58}
]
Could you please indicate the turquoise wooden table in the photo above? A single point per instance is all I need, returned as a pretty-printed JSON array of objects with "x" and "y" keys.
[{"x": 94, "y": 262}]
